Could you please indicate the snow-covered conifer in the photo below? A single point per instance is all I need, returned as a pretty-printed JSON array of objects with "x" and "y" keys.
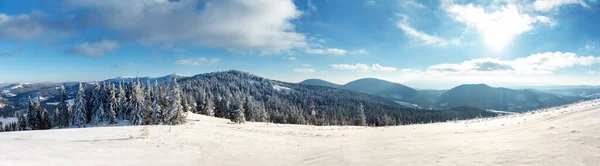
[{"x": 79, "y": 112}]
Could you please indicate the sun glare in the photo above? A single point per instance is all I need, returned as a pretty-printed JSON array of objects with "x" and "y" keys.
[{"x": 496, "y": 39}]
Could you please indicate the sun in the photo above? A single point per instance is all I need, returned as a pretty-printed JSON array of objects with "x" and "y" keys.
[{"x": 497, "y": 39}]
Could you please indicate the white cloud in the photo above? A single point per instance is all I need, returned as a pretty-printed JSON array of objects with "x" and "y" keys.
[
  {"x": 499, "y": 26},
  {"x": 548, "y": 5},
  {"x": 304, "y": 70},
  {"x": 94, "y": 49},
  {"x": 370, "y": 3},
  {"x": 292, "y": 58},
  {"x": 326, "y": 51},
  {"x": 265, "y": 25},
  {"x": 422, "y": 36},
  {"x": 311, "y": 6},
  {"x": 361, "y": 51},
  {"x": 30, "y": 27},
  {"x": 541, "y": 63},
  {"x": 377, "y": 67},
  {"x": 363, "y": 67},
  {"x": 411, "y": 4},
  {"x": 197, "y": 61}
]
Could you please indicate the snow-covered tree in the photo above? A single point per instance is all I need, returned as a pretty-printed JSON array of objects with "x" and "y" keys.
[
  {"x": 111, "y": 114},
  {"x": 136, "y": 105},
  {"x": 237, "y": 115},
  {"x": 31, "y": 116},
  {"x": 79, "y": 112},
  {"x": 157, "y": 110},
  {"x": 121, "y": 110},
  {"x": 63, "y": 116},
  {"x": 250, "y": 111},
  {"x": 362, "y": 119},
  {"x": 175, "y": 113},
  {"x": 97, "y": 105},
  {"x": 22, "y": 121}
]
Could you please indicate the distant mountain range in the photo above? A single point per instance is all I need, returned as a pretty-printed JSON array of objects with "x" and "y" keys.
[
  {"x": 152, "y": 80},
  {"x": 475, "y": 95}
]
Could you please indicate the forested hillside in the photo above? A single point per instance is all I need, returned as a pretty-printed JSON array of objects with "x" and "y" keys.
[
  {"x": 235, "y": 95},
  {"x": 280, "y": 102}
]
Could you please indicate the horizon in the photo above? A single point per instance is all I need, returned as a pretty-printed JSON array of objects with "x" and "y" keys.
[
  {"x": 421, "y": 44},
  {"x": 415, "y": 87}
]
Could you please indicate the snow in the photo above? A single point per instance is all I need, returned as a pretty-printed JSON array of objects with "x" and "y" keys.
[
  {"x": 557, "y": 136},
  {"x": 7, "y": 93},
  {"x": 69, "y": 102},
  {"x": 7, "y": 120},
  {"x": 283, "y": 88},
  {"x": 500, "y": 112},
  {"x": 409, "y": 105}
]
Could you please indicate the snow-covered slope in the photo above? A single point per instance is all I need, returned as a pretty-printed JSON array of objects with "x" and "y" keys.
[{"x": 560, "y": 136}]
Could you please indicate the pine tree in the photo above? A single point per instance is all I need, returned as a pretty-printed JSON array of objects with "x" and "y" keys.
[
  {"x": 45, "y": 121},
  {"x": 136, "y": 105},
  {"x": 250, "y": 112},
  {"x": 112, "y": 106},
  {"x": 362, "y": 119},
  {"x": 121, "y": 110},
  {"x": 157, "y": 111},
  {"x": 31, "y": 121},
  {"x": 38, "y": 114},
  {"x": 63, "y": 116},
  {"x": 56, "y": 117},
  {"x": 97, "y": 105},
  {"x": 22, "y": 121},
  {"x": 175, "y": 113},
  {"x": 79, "y": 113},
  {"x": 238, "y": 114},
  {"x": 221, "y": 107},
  {"x": 206, "y": 105}
]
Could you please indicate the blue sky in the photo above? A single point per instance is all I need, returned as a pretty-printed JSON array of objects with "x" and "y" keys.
[{"x": 424, "y": 44}]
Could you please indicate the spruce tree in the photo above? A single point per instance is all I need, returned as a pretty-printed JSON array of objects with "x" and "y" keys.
[
  {"x": 45, "y": 121},
  {"x": 121, "y": 110},
  {"x": 38, "y": 114},
  {"x": 237, "y": 115},
  {"x": 56, "y": 117},
  {"x": 136, "y": 105},
  {"x": 250, "y": 112},
  {"x": 31, "y": 121},
  {"x": 63, "y": 116},
  {"x": 111, "y": 114},
  {"x": 157, "y": 111},
  {"x": 97, "y": 105},
  {"x": 362, "y": 119},
  {"x": 79, "y": 112},
  {"x": 175, "y": 113},
  {"x": 22, "y": 121}
]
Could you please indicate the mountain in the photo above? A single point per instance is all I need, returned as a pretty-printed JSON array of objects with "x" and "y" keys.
[
  {"x": 160, "y": 80},
  {"x": 484, "y": 96},
  {"x": 3, "y": 84},
  {"x": 319, "y": 82},
  {"x": 379, "y": 87}
]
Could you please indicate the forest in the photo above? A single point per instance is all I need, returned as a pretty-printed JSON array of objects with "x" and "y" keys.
[{"x": 234, "y": 95}]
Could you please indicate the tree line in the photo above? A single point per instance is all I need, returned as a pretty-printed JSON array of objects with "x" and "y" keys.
[{"x": 107, "y": 103}]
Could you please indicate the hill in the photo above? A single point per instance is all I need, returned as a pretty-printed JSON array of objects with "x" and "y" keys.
[
  {"x": 484, "y": 96},
  {"x": 319, "y": 82},
  {"x": 380, "y": 88}
]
